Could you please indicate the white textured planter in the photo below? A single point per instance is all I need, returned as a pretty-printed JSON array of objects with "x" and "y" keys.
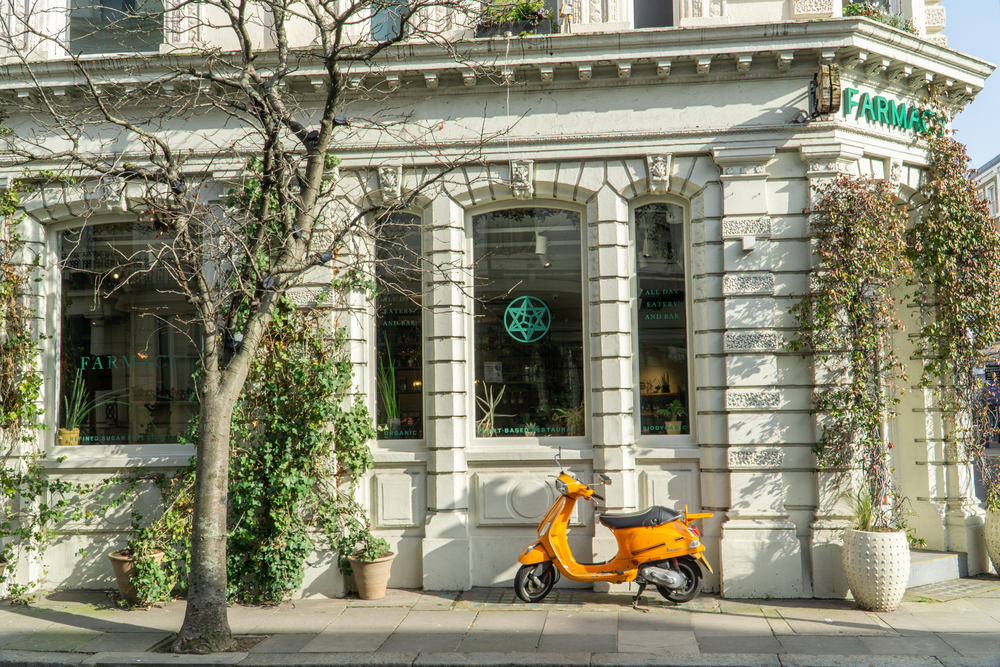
[
  {"x": 877, "y": 568},
  {"x": 993, "y": 538}
]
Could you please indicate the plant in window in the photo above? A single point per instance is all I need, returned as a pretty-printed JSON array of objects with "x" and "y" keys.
[
  {"x": 486, "y": 427},
  {"x": 572, "y": 417},
  {"x": 673, "y": 411},
  {"x": 387, "y": 387},
  {"x": 76, "y": 408}
]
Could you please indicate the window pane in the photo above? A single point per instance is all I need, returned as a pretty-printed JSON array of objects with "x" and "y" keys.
[
  {"x": 387, "y": 18},
  {"x": 128, "y": 351},
  {"x": 398, "y": 329},
  {"x": 663, "y": 364},
  {"x": 653, "y": 13},
  {"x": 529, "y": 324},
  {"x": 115, "y": 26}
]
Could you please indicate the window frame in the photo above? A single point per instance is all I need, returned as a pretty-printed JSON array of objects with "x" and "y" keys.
[
  {"x": 490, "y": 444},
  {"x": 87, "y": 455},
  {"x": 400, "y": 443},
  {"x": 663, "y": 440},
  {"x": 66, "y": 29}
]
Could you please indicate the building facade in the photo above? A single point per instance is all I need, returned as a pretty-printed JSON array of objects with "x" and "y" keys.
[{"x": 623, "y": 265}]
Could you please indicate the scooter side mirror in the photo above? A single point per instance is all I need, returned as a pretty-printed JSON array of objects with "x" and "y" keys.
[{"x": 603, "y": 479}]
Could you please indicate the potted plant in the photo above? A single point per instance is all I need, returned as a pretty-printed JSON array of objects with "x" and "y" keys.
[
  {"x": 139, "y": 561},
  {"x": 76, "y": 408},
  {"x": 673, "y": 413},
  {"x": 876, "y": 553},
  {"x": 518, "y": 17},
  {"x": 572, "y": 418},
  {"x": 361, "y": 553},
  {"x": 486, "y": 427},
  {"x": 387, "y": 389},
  {"x": 530, "y": 428}
]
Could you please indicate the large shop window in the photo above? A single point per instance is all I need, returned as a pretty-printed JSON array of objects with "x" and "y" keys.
[
  {"x": 662, "y": 322},
  {"x": 128, "y": 351},
  {"x": 528, "y": 324},
  {"x": 398, "y": 328},
  {"x": 115, "y": 26}
]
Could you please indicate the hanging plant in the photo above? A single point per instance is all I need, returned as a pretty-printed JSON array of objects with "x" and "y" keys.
[
  {"x": 955, "y": 251},
  {"x": 847, "y": 323}
]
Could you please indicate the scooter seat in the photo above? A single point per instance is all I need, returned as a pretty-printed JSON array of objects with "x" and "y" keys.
[{"x": 654, "y": 516}]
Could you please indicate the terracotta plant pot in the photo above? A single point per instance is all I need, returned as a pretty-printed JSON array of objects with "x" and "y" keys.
[
  {"x": 69, "y": 437},
  {"x": 124, "y": 568},
  {"x": 877, "y": 568},
  {"x": 372, "y": 577},
  {"x": 993, "y": 538}
]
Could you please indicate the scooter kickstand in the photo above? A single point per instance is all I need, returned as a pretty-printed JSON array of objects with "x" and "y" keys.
[{"x": 638, "y": 597}]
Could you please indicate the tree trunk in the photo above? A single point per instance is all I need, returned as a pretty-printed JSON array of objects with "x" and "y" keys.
[{"x": 206, "y": 623}]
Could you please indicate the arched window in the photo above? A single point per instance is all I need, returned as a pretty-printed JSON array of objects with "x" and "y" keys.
[
  {"x": 664, "y": 400},
  {"x": 128, "y": 343},
  {"x": 529, "y": 366},
  {"x": 399, "y": 327}
]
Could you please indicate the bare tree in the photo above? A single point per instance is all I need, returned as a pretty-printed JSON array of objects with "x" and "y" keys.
[{"x": 131, "y": 133}]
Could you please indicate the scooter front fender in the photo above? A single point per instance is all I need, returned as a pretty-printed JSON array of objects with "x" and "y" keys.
[{"x": 534, "y": 555}]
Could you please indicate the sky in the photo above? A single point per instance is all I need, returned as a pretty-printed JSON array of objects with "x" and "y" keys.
[{"x": 973, "y": 27}]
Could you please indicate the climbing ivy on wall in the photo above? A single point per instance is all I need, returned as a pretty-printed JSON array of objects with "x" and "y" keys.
[
  {"x": 847, "y": 322},
  {"x": 955, "y": 252},
  {"x": 299, "y": 444}
]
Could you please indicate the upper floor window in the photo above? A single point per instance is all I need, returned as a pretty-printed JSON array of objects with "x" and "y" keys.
[
  {"x": 115, "y": 26},
  {"x": 128, "y": 345},
  {"x": 653, "y": 13},
  {"x": 387, "y": 19},
  {"x": 991, "y": 197}
]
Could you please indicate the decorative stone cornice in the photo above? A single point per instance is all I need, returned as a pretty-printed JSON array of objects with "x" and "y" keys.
[
  {"x": 752, "y": 399},
  {"x": 746, "y": 226},
  {"x": 735, "y": 284},
  {"x": 751, "y": 341},
  {"x": 592, "y": 57}
]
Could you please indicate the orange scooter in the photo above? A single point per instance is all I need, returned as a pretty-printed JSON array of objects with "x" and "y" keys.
[{"x": 656, "y": 546}]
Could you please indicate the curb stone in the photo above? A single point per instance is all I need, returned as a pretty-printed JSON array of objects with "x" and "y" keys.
[
  {"x": 807, "y": 660},
  {"x": 110, "y": 659},
  {"x": 971, "y": 661},
  {"x": 11, "y": 658},
  {"x": 685, "y": 660},
  {"x": 491, "y": 659},
  {"x": 387, "y": 659}
]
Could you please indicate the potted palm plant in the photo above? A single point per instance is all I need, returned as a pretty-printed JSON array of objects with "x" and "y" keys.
[{"x": 673, "y": 413}]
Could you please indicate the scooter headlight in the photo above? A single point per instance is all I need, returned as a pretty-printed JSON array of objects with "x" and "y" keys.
[
  {"x": 561, "y": 487},
  {"x": 694, "y": 544}
]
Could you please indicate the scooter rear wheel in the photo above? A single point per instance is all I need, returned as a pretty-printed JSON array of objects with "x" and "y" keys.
[
  {"x": 692, "y": 584},
  {"x": 534, "y": 589}
]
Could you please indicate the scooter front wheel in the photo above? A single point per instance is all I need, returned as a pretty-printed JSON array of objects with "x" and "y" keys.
[
  {"x": 692, "y": 582},
  {"x": 532, "y": 587}
]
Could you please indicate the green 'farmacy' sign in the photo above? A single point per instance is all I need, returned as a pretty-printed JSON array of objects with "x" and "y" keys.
[{"x": 879, "y": 109}]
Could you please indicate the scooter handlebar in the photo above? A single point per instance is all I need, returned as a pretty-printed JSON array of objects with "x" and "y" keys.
[{"x": 597, "y": 495}]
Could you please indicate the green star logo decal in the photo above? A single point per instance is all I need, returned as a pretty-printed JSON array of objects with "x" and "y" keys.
[{"x": 527, "y": 319}]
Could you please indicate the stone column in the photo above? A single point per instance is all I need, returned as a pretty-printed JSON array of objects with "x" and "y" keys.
[
  {"x": 447, "y": 560},
  {"x": 610, "y": 297},
  {"x": 761, "y": 552},
  {"x": 833, "y": 513}
]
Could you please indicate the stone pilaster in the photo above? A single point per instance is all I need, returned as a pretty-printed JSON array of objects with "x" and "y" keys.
[
  {"x": 760, "y": 550},
  {"x": 833, "y": 515},
  {"x": 447, "y": 560},
  {"x": 613, "y": 424}
]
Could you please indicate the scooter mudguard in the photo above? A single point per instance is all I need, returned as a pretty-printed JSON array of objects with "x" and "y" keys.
[
  {"x": 700, "y": 556},
  {"x": 534, "y": 555}
]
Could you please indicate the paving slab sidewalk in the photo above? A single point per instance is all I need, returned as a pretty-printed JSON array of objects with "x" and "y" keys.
[{"x": 489, "y": 628}]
